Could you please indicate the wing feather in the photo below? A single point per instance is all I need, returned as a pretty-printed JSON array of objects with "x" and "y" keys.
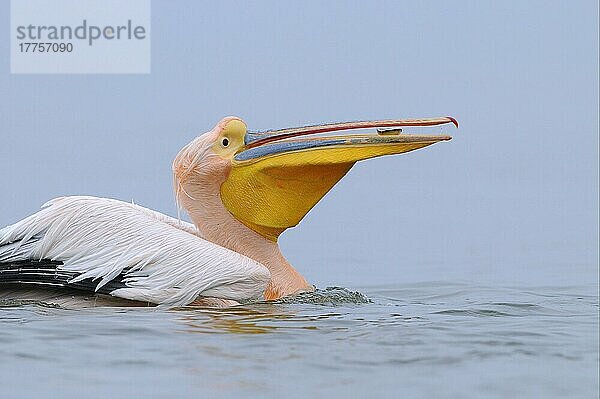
[{"x": 158, "y": 258}]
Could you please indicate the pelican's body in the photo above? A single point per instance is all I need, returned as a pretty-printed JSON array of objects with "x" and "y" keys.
[
  {"x": 127, "y": 251},
  {"x": 240, "y": 189}
]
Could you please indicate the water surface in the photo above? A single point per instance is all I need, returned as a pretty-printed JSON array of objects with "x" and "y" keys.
[{"x": 418, "y": 340}]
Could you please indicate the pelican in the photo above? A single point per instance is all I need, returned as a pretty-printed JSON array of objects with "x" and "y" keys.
[{"x": 241, "y": 189}]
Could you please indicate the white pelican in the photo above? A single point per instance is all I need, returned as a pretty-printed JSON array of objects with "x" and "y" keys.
[{"x": 241, "y": 190}]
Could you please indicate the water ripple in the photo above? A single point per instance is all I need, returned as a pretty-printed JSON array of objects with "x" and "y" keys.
[{"x": 426, "y": 335}]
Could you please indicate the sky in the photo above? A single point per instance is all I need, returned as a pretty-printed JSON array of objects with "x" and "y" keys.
[{"x": 512, "y": 200}]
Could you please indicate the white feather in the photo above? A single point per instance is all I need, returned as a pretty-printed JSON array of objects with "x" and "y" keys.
[{"x": 165, "y": 260}]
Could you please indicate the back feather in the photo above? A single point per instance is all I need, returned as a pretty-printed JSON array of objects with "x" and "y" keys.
[{"x": 155, "y": 258}]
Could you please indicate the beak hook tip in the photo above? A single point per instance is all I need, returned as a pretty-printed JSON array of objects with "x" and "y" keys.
[{"x": 453, "y": 120}]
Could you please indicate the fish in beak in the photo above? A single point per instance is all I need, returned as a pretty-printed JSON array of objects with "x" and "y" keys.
[{"x": 277, "y": 176}]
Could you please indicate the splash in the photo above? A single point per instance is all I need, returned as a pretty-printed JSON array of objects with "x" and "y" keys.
[
  {"x": 15, "y": 303},
  {"x": 330, "y": 296}
]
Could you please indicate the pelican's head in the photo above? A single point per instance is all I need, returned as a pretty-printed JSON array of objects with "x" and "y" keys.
[{"x": 270, "y": 180}]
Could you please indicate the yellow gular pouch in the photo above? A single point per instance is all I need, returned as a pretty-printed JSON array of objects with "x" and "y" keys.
[{"x": 274, "y": 192}]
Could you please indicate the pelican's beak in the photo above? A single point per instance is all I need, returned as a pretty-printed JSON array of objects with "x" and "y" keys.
[{"x": 278, "y": 176}]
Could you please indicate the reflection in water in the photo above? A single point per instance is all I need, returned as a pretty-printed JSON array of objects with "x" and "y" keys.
[
  {"x": 264, "y": 317},
  {"x": 239, "y": 320}
]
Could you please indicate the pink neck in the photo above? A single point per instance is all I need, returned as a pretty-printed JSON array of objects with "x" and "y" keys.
[{"x": 217, "y": 225}]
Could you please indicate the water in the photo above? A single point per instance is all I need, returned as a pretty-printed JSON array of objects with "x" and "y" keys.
[{"x": 423, "y": 340}]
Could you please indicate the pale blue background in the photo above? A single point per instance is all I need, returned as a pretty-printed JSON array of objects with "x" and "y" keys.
[{"x": 512, "y": 200}]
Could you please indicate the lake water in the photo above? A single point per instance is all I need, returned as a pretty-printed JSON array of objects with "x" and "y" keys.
[{"x": 419, "y": 340}]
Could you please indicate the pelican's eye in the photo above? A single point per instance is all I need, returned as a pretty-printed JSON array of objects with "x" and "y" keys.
[{"x": 229, "y": 139}]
